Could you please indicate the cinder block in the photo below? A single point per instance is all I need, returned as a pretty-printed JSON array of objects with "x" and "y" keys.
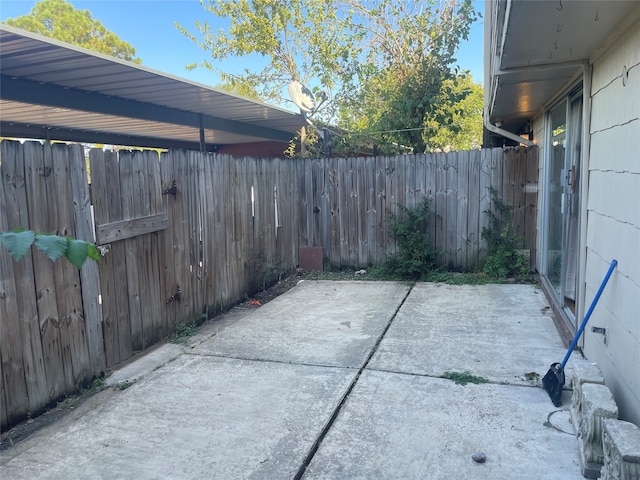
[
  {"x": 596, "y": 405},
  {"x": 583, "y": 372},
  {"x": 310, "y": 258},
  {"x": 621, "y": 446}
]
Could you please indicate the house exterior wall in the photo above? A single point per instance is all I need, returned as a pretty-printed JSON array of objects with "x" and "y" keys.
[
  {"x": 613, "y": 221},
  {"x": 609, "y": 188}
]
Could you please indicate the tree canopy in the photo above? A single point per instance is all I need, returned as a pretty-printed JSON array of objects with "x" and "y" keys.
[
  {"x": 465, "y": 132},
  {"x": 389, "y": 65},
  {"x": 300, "y": 40},
  {"x": 60, "y": 20}
]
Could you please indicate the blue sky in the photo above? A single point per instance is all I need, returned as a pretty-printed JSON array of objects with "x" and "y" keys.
[{"x": 148, "y": 25}]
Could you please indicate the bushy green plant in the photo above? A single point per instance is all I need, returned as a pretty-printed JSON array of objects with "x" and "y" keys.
[
  {"x": 503, "y": 243},
  {"x": 416, "y": 254}
]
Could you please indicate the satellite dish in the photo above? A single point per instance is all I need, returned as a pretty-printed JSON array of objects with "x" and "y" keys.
[{"x": 302, "y": 97}]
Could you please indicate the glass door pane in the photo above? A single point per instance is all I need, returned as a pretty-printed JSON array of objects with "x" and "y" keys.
[
  {"x": 572, "y": 204},
  {"x": 555, "y": 197}
]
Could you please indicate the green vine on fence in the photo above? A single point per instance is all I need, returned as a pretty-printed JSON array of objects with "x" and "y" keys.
[
  {"x": 505, "y": 259},
  {"x": 19, "y": 241},
  {"x": 416, "y": 254}
]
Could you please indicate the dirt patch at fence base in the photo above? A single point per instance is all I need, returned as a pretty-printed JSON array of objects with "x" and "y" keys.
[
  {"x": 291, "y": 280},
  {"x": 22, "y": 431},
  {"x": 64, "y": 411}
]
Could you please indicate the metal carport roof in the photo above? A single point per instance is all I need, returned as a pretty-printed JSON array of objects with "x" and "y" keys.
[{"x": 53, "y": 90}]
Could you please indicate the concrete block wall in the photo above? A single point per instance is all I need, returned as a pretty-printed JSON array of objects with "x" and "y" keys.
[
  {"x": 613, "y": 221},
  {"x": 609, "y": 448},
  {"x": 621, "y": 445}
]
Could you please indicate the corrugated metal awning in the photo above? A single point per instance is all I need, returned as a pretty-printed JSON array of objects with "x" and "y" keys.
[{"x": 50, "y": 89}]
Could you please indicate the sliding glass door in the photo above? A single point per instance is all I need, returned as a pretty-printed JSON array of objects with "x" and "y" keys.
[{"x": 562, "y": 201}]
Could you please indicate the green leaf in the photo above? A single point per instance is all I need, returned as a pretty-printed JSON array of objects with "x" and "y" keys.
[
  {"x": 94, "y": 253},
  {"x": 52, "y": 246},
  {"x": 77, "y": 252},
  {"x": 17, "y": 242}
]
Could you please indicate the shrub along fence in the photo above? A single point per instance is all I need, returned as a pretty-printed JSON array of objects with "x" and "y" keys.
[{"x": 186, "y": 235}]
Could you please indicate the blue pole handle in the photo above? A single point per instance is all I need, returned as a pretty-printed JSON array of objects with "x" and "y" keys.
[{"x": 586, "y": 317}]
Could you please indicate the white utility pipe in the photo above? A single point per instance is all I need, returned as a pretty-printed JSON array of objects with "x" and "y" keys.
[{"x": 505, "y": 133}]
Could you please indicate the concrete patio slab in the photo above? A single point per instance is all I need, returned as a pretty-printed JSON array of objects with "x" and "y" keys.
[
  {"x": 316, "y": 323},
  {"x": 412, "y": 427},
  {"x": 501, "y": 332},
  {"x": 256, "y": 392},
  {"x": 196, "y": 417}
]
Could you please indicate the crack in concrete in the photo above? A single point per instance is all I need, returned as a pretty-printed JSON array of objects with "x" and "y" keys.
[{"x": 269, "y": 360}]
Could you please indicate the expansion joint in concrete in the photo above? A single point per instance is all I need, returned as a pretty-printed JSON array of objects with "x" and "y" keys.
[
  {"x": 345, "y": 397},
  {"x": 270, "y": 360}
]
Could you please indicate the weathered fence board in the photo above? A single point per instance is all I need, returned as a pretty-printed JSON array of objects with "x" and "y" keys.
[
  {"x": 40, "y": 199},
  {"x": 14, "y": 203},
  {"x": 168, "y": 282},
  {"x": 89, "y": 276},
  {"x": 69, "y": 297},
  {"x": 531, "y": 201},
  {"x": 14, "y": 393},
  {"x": 473, "y": 205},
  {"x": 462, "y": 189}
]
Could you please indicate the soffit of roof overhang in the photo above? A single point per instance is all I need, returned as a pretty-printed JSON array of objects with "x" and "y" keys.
[
  {"x": 542, "y": 50},
  {"x": 54, "y": 86}
]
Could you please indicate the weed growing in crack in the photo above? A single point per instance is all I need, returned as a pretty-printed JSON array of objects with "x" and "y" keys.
[
  {"x": 462, "y": 378},
  {"x": 126, "y": 384}
]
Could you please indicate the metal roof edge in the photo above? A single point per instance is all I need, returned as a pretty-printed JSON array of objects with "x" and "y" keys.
[{"x": 128, "y": 64}]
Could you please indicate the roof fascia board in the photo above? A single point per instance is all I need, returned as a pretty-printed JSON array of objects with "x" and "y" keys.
[{"x": 55, "y": 96}]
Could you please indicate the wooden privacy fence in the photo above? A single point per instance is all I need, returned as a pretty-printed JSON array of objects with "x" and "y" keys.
[
  {"x": 344, "y": 203},
  {"x": 186, "y": 235}
]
